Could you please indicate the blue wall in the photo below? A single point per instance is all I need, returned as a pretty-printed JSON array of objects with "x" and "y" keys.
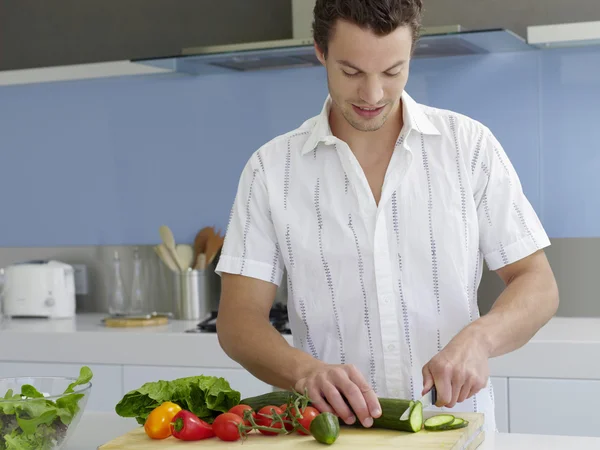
[{"x": 106, "y": 162}]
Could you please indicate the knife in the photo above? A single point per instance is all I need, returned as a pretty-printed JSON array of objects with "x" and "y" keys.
[{"x": 427, "y": 400}]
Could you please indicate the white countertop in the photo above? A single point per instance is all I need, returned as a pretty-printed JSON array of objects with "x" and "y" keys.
[
  {"x": 96, "y": 429},
  {"x": 564, "y": 348}
]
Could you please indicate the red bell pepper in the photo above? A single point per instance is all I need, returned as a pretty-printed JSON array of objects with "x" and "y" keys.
[{"x": 188, "y": 427}]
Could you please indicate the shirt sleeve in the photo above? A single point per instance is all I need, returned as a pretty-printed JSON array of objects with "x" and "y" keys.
[
  {"x": 251, "y": 246},
  {"x": 509, "y": 226}
]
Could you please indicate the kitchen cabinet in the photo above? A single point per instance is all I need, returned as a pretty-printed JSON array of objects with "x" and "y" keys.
[
  {"x": 43, "y": 34},
  {"x": 554, "y": 406},
  {"x": 515, "y": 15},
  {"x": 239, "y": 379},
  {"x": 107, "y": 387},
  {"x": 500, "y": 385}
]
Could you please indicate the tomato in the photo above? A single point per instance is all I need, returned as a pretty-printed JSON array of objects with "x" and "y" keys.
[
  {"x": 287, "y": 418},
  {"x": 304, "y": 418},
  {"x": 265, "y": 418},
  {"x": 239, "y": 411},
  {"x": 225, "y": 426},
  {"x": 158, "y": 422},
  {"x": 308, "y": 415}
]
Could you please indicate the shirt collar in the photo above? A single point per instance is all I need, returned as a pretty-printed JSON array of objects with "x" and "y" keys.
[{"x": 414, "y": 119}]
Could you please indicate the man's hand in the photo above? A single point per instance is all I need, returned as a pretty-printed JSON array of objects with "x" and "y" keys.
[
  {"x": 459, "y": 371},
  {"x": 327, "y": 386}
]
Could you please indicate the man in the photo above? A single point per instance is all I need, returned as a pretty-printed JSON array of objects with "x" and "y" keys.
[{"x": 382, "y": 211}]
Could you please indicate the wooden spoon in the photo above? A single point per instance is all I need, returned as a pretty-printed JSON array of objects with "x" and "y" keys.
[
  {"x": 186, "y": 255},
  {"x": 165, "y": 257},
  {"x": 201, "y": 262},
  {"x": 212, "y": 247},
  {"x": 169, "y": 240},
  {"x": 200, "y": 242}
]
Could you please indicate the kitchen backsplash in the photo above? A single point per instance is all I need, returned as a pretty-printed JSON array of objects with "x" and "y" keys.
[
  {"x": 97, "y": 165},
  {"x": 106, "y": 162},
  {"x": 574, "y": 261}
]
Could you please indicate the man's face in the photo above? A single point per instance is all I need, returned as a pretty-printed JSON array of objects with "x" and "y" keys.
[{"x": 367, "y": 73}]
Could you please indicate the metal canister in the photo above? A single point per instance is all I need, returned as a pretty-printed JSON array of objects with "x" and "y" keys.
[{"x": 192, "y": 295}]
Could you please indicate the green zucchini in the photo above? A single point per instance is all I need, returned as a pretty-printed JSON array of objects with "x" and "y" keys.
[
  {"x": 391, "y": 408},
  {"x": 325, "y": 428}
]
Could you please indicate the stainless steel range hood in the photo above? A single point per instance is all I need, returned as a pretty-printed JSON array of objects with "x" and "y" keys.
[{"x": 435, "y": 42}]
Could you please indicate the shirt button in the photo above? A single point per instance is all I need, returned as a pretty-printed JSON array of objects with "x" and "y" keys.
[
  {"x": 386, "y": 299},
  {"x": 391, "y": 347},
  {"x": 395, "y": 392}
]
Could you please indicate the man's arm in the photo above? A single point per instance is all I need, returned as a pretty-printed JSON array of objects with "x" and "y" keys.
[
  {"x": 247, "y": 336},
  {"x": 528, "y": 302}
]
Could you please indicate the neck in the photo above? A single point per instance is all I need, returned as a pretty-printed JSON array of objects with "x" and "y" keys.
[{"x": 381, "y": 140}]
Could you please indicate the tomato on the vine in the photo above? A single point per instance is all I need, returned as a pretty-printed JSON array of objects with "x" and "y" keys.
[
  {"x": 308, "y": 414},
  {"x": 239, "y": 410},
  {"x": 265, "y": 418},
  {"x": 225, "y": 426},
  {"x": 286, "y": 417}
]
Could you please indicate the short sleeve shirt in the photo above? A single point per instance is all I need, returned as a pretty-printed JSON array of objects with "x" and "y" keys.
[{"x": 382, "y": 286}]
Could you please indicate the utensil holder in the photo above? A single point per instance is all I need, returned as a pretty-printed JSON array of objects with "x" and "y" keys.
[{"x": 192, "y": 295}]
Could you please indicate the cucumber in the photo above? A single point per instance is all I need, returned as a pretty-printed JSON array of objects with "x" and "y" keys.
[
  {"x": 458, "y": 423},
  {"x": 325, "y": 428},
  {"x": 276, "y": 398},
  {"x": 391, "y": 408},
  {"x": 444, "y": 422},
  {"x": 439, "y": 422}
]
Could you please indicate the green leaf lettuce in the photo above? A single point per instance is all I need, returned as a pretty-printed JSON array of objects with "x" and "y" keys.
[{"x": 205, "y": 396}]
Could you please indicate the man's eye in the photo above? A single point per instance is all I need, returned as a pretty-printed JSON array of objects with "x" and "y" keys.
[
  {"x": 395, "y": 74},
  {"x": 350, "y": 74}
]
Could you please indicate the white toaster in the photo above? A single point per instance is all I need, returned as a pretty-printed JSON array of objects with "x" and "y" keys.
[{"x": 39, "y": 289}]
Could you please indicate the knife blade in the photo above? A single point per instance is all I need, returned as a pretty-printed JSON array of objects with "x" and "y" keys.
[{"x": 427, "y": 400}]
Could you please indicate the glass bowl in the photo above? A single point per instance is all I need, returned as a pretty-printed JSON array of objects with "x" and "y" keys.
[{"x": 43, "y": 419}]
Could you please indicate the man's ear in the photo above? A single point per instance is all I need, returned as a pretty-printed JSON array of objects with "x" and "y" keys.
[{"x": 319, "y": 53}]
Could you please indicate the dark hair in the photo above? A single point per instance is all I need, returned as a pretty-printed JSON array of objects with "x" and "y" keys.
[{"x": 380, "y": 16}]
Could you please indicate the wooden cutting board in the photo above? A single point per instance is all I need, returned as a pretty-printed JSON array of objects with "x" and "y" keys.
[
  {"x": 122, "y": 322},
  {"x": 468, "y": 438}
]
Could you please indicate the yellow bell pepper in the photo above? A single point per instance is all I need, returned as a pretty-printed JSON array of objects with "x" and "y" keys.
[{"x": 158, "y": 423}]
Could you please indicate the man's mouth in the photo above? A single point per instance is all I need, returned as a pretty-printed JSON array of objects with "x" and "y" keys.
[{"x": 367, "y": 112}]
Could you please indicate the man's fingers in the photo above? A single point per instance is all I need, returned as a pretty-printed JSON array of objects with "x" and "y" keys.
[
  {"x": 427, "y": 379},
  {"x": 464, "y": 393},
  {"x": 335, "y": 399},
  {"x": 353, "y": 394},
  {"x": 316, "y": 398},
  {"x": 458, "y": 383},
  {"x": 477, "y": 386},
  {"x": 369, "y": 395},
  {"x": 443, "y": 384}
]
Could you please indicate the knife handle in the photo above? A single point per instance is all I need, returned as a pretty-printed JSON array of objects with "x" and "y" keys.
[{"x": 433, "y": 395}]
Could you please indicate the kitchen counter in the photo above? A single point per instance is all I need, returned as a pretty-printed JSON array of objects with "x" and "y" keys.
[
  {"x": 564, "y": 348},
  {"x": 96, "y": 429}
]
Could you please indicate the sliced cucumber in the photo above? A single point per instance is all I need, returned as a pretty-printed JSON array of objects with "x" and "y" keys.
[
  {"x": 439, "y": 422},
  {"x": 458, "y": 423},
  {"x": 414, "y": 422},
  {"x": 445, "y": 422}
]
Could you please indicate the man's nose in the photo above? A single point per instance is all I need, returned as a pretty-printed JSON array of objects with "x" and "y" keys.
[{"x": 371, "y": 91}]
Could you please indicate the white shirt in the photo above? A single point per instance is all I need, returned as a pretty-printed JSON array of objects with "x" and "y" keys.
[{"x": 382, "y": 287}]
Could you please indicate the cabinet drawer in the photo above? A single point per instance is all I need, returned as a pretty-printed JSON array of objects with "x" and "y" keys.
[
  {"x": 500, "y": 385},
  {"x": 551, "y": 406}
]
